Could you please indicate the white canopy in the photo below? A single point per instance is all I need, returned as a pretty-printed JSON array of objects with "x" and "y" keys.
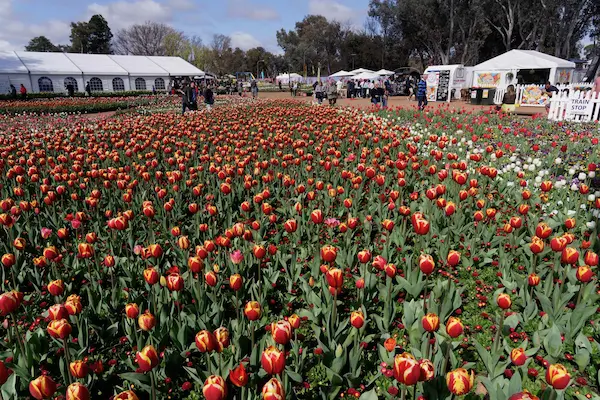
[
  {"x": 385, "y": 72},
  {"x": 367, "y": 75},
  {"x": 359, "y": 71},
  {"x": 139, "y": 65},
  {"x": 523, "y": 59},
  {"x": 289, "y": 77},
  {"x": 341, "y": 74},
  {"x": 93, "y": 64}
]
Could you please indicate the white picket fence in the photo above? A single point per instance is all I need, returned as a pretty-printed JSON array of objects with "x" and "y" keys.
[
  {"x": 520, "y": 89},
  {"x": 579, "y": 106}
]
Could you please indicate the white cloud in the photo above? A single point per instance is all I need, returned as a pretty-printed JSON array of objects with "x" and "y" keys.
[
  {"x": 243, "y": 40},
  {"x": 121, "y": 14},
  {"x": 244, "y": 9},
  {"x": 332, "y": 10},
  {"x": 14, "y": 34}
]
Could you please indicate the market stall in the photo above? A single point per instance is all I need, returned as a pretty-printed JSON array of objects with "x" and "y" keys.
[{"x": 444, "y": 82}]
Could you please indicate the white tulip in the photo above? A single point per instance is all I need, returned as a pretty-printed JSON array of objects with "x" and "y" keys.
[
  {"x": 538, "y": 179},
  {"x": 592, "y": 174},
  {"x": 591, "y": 224},
  {"x": 581, "y": 176},
  {"x": 558, "y": 160},
  {"x": 591, "y": 197},
  {"x": 571, "y": 172},
  {"x": 583, "y": 206},
  {"x": 570, "y": 213},
  {"x": 574, "y": 187}
]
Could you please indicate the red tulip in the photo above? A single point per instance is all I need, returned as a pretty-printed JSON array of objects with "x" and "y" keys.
[
  {"x": 459, "y": 381},
  {"x": 206, "y": 341},
  {"x": 281, "y": 331},
  {"x": 147, "y": 358},
  {"x": 42, "y": 387},
  {"x": 584, "y": 274},
  {"x": 328, "y": 253},
  {"x": 146, "y": 321},
  {"x": 357, "y": 319},
  {"x": 316, "y": 216},
  {"x": 503, "y": 300},
  {"x": 431, "y": 322},
  {"x": 77, "y": 391},
  {"x": 221, "y": 336},
  {"x": 518, "y": 357},
  {"x": 453, "y": 258},
  {"x": 238, "y": 376},
  {"x": 557, "y": 376},
  {"x": 406, "y": 369},
  {"x": 273, "y": 390},
  {"x": 454, "y": 327},
  {"x": 214, "y": 388},
  {"x": 252, "y": 310},
  {"x": 273, "y": 360}
]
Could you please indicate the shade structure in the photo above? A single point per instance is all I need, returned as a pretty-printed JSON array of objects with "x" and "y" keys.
[
  {"x": 360, "y": 71},
  {"x": 367, "y": 75},
  {"x": 385, "y": 72},
  {"x": 341, "y": 74},
  {"x": 294, "y": 77},
  {"x": 523, "y": 59}
]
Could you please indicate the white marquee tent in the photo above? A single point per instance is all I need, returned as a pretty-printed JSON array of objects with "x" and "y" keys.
[
  {"x": 285, "y": 78},
  {"x": 341, "y": 74},
  {"x": 52, "y": 72},
  {"x": 494, "y": 71},
  {"x": 385, "y": 72},
  {"x": 359, "y": 71}
]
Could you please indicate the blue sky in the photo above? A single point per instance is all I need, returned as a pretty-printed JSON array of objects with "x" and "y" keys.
[{"x": 249, "y": 23}]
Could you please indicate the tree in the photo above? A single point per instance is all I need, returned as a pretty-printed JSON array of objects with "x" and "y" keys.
[
  {"x": 41, "y": 43},
  {"x": 92, "y": 37},
  {"x": 100, "y": 35},
  {"x": 148, "y": 39}
]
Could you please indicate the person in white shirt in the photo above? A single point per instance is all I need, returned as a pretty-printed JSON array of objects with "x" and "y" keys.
[{"x": 338, "y": 86}]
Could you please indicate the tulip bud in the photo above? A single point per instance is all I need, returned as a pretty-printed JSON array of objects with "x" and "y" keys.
[
  {"x": 222, "y": 339},
  {"x": 406, "y": 369},
  {"x": 281, "y": 331},
  {"x": 132, "y": 310},
  {"x": 504, "y": 301},
  {"x": 42, "y": 387},
  {"x": 8, "y": 260},
  {"x": 584, "y": 274},
  {"x": 557, "y": 376},
  {"x": 238, "y": 376},
  {"x": 518, "y": 357},
  {"x": 390, "y": 344},
  {"x": 273, "y": 390},
  {"x": 78, "y": 369},
  {"x": 146, "y": 321},
  {"x": 426, "y": 264},
  {"x": 453, "y": 258},
  {"x": 77, "y": 391},
  {"x": 252, "y": 310},
  {"x": 335, "y": 277},
  {"x": 459, "y": 381},
  {"x": 147, "y": 358},
  {"x": 151, "y": 276},
  {"x": 357, "y": 319},
  {"x": 431, "y": 322},
  {"x": 205, "y": 341},
  {"x": 454, "y": 327},
  {"x": 273, "y": 360},
  {"x": 235, "y": 282},
  {"x": 533, "y": 279},
  {"x": 328, "y": 254},
  {"x": 59, "y": 329},
  {"x": 214, "y": 388}
]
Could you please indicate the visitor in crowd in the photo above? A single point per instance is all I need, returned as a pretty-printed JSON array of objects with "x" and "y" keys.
[
  {"x": 550, "y": 89},
  {"x": 295, "y": 88},
  {"x": 370, "y": 87},
  {"x": 70, "y": 90},
  {"x": 422, "y": 93},
  {"x": 240, "y": 88},
  {"x": 88, "y": 89},
  {"x": 23, "y": 91},
  {"x": 194, "y": 103},
  {"x": 254, "y": 88},
  {"x": 280, "y": 89},
  {"x": 350, "y": 89},
  {"x": 209, "y": 98},
  {"x": 13, "y": 91},
  {"x": 412, "y": 93},
  {"x": 373, "y": 94},
  {"x": 332, "y": 93},
  {"x": 384, "y": 98},
  {"x": 187, "y": 94},
  {"x": 339, "y": 86},
  {"x": 319, "y": 90},
  {"x": 508, "y": 100},
  {"x": 154, "y": 90}
]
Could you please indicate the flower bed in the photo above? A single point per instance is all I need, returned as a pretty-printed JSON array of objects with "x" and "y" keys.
[
  {"x": 268, "y": 247},
  {"x": 83, "y": 104}
]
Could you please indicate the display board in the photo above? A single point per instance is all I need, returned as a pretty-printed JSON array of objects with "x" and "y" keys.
[
  {"x": 443, "y": 86},
  {"x": 487, "y": 79}
]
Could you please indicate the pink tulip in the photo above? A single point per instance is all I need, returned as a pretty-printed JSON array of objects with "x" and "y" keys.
[
  {"x": 46, "y": 233},
  {"x": 236, "y": 257},
  {"x": 332, "y": 222}
]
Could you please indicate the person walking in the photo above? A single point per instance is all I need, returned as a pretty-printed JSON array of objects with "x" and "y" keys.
[
  {"x": 13, "y": 91},
  {"x": 88, "y": 89},
  {"x": 295, "y": 88},
  {"x": 240, "y": 88},
  {"x": 319, "y": 90},
  {"x": 332, "y": 93},
  {"x": 422, "y": 93},
  {"x": 186, "y": 97},
  {"x": 209, "y": 98},
  {"x": 254, "y": 88},
  {"x": 23, "y": 91}
]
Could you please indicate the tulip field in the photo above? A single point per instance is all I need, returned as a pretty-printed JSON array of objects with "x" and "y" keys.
[{"x": 280, "y": 250}]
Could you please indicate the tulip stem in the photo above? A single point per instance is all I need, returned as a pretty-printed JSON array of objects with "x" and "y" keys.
[
  {"x": 334, "y": 314},
  {"x": 579, "y": 296},
  {"x": 498, "y": 332},
  {"x": 208, "y": 363},
  {"x": 425, "y": 296},
  {"x": 17, "y": 335},
  {"x": 403, "y": 393},
  {"x": 152, "y": 386},
  {"x": 414, "y": 392},
  {"x": 67, "y": 360}
]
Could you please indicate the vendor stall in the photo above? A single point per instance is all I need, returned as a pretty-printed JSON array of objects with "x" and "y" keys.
[{"x": 444, "y": 82}]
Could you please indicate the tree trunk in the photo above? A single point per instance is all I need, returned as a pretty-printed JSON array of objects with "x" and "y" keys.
[{"x": 451, "y": 31}]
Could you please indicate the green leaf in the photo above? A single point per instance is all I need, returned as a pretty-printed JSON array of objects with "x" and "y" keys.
[
  {"x": 515, "y": 384},
  {"x": 553, "y": 342},
  {"x": 370, "y": 395},
  {"x": 296, "y": 377}
]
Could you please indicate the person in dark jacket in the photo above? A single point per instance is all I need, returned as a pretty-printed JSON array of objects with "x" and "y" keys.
[
  {"x": 209, "y": 98},
  {"x": 13, "y": 91},
  {"x": 422, "y": 93}
]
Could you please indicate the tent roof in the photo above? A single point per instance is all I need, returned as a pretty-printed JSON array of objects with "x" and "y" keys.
[
  {"x": 359, "y": 71},
  {"x": 367, "y": 75},
  {"x": 47, "y": 63},
  {"x": 96, "y": 64},
  {"x": 385, "y": 72},
  {"x": 340, "y": 74},
  {"x": 139, "y": 65},
  {"x": 176, "y": 66},
  {"x": 10, "y": 63},
  {"x": 523, "y": 59}
]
